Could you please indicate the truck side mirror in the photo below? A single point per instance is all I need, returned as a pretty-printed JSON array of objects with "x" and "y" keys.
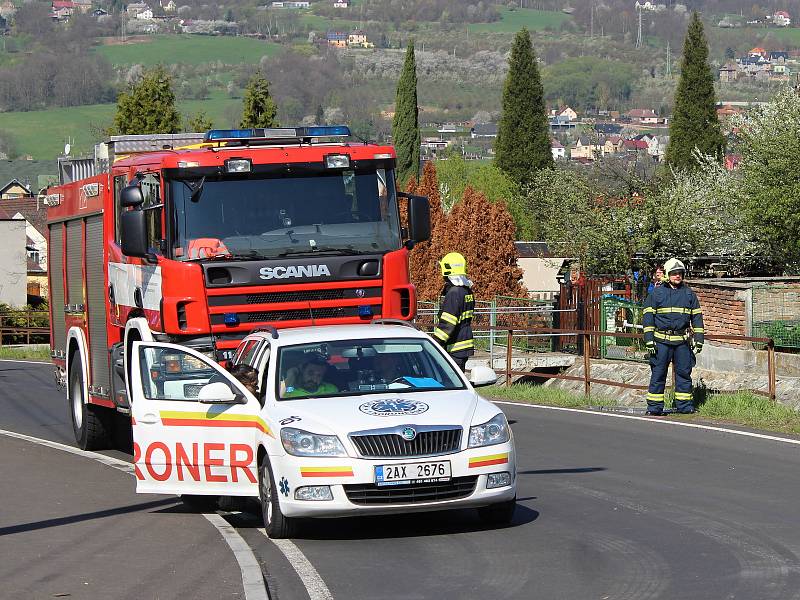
[
  {"x": 133, "y": 231},
  {"x": 419, "y": 218},
  {"x": 131, "y": 196}
]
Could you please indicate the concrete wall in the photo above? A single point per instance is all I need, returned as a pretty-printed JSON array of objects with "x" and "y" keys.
[
  {"x": 539, "y": 275},
  {"x": 13, "y": 263}
]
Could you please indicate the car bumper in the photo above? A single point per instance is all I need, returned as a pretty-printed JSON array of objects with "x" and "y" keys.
[{"x": 352, "y": 484}]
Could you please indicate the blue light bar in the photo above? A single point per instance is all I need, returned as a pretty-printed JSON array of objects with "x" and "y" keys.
[{"x": 276, "y": 133}]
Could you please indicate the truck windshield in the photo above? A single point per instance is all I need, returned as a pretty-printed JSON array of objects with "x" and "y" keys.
[{"x": 268, "y": 215}]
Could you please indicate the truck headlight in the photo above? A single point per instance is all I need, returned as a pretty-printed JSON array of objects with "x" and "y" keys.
[
  {"x": 494, "y": 431},
  {"x": 303, "y": 443}
]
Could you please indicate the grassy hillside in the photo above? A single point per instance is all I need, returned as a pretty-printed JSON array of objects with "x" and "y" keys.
[
  {"x": 188, "y": 49},
  {"x": 514, "y": 20},
  {"x": 42, "y": 133}
]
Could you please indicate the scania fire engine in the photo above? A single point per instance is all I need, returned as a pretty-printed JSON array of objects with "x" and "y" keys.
[{"x": 199, "y": 239}]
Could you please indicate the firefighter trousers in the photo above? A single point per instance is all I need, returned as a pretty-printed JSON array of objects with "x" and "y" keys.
[{"x": 683, "y": 360}]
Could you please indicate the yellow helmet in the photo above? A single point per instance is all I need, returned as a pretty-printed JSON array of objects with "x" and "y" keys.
[
  {"x": 672, "y": 265},
  {"x": 453, "y": 263}
]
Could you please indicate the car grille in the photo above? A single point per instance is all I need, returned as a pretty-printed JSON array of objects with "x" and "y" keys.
[
  {"x": 371, "y": 494},
  {"x": 426, "y": 443}
]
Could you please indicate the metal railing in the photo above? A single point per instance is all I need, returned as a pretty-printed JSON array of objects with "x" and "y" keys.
[
  {"x": 23, "y": 324},
  {"x": 587, "y": 378}
]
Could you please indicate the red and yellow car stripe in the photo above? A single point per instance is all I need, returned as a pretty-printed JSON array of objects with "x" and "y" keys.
[
  {"x": 326, "y": 471},
  {"x": 202, "y": 419},
  {"x": 490, "y": 459}
]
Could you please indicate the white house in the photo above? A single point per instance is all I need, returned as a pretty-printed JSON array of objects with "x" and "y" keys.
[
  {"x": 341, "y": 4},
  {"x": 781, "y": 18},
  {"x": 558, "y": 150},
  {"x": 145, "y": 15}
]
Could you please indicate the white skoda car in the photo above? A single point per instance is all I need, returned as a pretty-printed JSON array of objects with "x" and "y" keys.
[{"x": 322, "y": 422}]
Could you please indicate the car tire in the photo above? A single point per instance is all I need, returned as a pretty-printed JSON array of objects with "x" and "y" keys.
[
  {"x": 501, "y": 513},
  {"x": 92, "y": 424},
  {"x": 277, "y": 525}
]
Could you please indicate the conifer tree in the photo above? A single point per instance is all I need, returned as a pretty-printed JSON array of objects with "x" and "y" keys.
[
  {"x": 694, "y": 118},
  {"x": 260, "y": 109},
  {"x": 425, "y": 257},
  {"x": 199, "y": 122},
  {"x": 148, "y": 106},
  {"x": 483, "y": 232},
  {"x": 405, "y": 125},
  {"x": 523, "y": 138}
]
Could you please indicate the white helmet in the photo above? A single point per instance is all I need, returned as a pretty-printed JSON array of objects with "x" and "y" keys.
[{"x": 673, "y": 264}]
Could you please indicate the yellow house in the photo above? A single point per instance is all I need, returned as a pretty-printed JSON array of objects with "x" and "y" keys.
[{"x": 15, "y": 189}]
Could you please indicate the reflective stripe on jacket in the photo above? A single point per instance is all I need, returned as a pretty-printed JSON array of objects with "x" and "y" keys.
[
  {"x": 453, "y": 328},
  {"x": 671, "y": 314}
]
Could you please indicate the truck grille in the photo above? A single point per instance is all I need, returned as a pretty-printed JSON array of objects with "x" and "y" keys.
[
  {"x": 303, "y": 313},
  {"x": 426, "y": 443},
  {"x": 371, "y": 494}
]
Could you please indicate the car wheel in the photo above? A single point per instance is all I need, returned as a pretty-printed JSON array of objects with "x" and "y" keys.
[
  {"x": 91, "y": 424},
  {"x": 277, "y": 525},
  {"x": 498, "y": 514}
]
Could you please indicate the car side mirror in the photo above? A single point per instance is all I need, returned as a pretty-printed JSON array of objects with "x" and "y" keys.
[
  {"x": 219, "y": 393},
  {"x": 481, "y": 376},
  {"x": 419, "y": 217}
]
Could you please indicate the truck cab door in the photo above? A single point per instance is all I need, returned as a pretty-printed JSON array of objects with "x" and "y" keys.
[{"x": 195, "y": 427}]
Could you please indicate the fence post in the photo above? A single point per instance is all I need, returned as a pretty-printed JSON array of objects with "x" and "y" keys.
[
  {"x": 771, "y": 369},
  {"x": 492, "y": 323},
  {"x": 587, "y": 365},
  {"x": 508, "y": 358},
  {"x": 579, "y": 339}
]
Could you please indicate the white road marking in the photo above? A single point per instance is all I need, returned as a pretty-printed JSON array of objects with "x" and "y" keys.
[
  {"x": 762, "y": 436},
  {"x": 252, "y": 577},
  {"x": 27, "y": 362},
  {"x": 315, "y": 586}
]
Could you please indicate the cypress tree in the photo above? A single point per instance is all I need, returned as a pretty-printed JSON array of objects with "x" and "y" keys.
[
  {"x": 694, "y": 118},
  {"x": 148, "y": 106},
  {"x": 405, "y": 125},
  {"x": 260, "y": 109},
  {"x": 523, "y": 138}
]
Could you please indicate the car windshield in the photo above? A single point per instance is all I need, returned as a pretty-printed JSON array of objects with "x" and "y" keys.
[
  {"x": 271, "y": 215},
  {"x": 366, "y": 366}
]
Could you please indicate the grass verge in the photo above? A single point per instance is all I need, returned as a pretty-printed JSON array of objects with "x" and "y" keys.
[
  {"x": 25, "y": 353},
  {"x": 743, "y": 408}
]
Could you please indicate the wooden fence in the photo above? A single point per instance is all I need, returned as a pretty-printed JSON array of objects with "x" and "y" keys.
[{"x": 20, "y": 326}]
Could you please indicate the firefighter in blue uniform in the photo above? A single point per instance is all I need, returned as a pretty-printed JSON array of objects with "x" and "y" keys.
[
  {"x": 454, "y": 324},
  {"x": 673, "y": 333}
]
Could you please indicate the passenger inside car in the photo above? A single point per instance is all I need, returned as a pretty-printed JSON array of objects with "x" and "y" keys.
[{"x": 307, "y": 379}]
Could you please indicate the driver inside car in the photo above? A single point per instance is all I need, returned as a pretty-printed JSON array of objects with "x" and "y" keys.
[
  {"x": 307, "y": 379},
  {"x": 387, "y": 367}
]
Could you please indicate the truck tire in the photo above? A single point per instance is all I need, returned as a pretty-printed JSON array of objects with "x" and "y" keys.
[
  {"x": 91, "y": 424},
  {"x": 498, "y": 514},
  {"x": 276, "y": 524}
]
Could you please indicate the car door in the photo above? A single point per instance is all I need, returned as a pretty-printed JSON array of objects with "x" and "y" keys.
[{"x": 195, "y": 427}]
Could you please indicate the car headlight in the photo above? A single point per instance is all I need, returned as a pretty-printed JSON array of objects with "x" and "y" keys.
[
  {"x": 302, "y": 443},
  {"x": 494, "y": 431}
]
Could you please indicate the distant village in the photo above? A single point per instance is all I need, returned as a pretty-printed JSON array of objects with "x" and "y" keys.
[{"x": 761, "y": 65}]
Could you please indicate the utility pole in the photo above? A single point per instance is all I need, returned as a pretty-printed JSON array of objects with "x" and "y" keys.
[
  {"x": 639, "y": 31},
  {"x": 669, "y": 63},
  {"x": 591, "y": 20}
]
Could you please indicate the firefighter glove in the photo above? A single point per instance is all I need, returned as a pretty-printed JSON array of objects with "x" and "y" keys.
[
  {"x": 650, "y": 347},
  {"x": 698, "y": 347}
]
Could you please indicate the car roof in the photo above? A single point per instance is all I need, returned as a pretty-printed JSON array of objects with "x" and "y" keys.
[{"x": 330, "y": 333}]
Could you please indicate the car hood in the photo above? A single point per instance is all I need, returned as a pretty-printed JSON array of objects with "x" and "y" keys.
[{"x": 346, "y": 415}]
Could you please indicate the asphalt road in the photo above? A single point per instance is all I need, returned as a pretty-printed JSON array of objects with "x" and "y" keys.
[{"x": 608, "y": 508}]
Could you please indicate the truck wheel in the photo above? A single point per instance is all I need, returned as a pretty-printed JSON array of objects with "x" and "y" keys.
[
  {"x": 498, "y": 514},
  {"x": 91, "y": 424},
  {"x": 277, "y": 525}
]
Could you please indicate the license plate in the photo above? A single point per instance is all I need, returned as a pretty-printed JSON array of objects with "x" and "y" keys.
[{"x": 426, "y": 472}]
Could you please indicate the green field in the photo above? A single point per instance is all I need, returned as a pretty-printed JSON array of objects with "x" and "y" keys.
[
  {"x": 789, "y": 35},
  {"x": 189, "y": 49},
  {"x": 514, "y": 20},
  {"x": 42, "y": 133}
]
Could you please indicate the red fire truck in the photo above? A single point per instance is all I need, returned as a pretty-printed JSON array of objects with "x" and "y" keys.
[{"x": 199, "y": 239}]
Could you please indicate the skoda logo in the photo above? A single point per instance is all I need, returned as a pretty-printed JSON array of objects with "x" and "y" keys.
[
  {"x": 394, "y": 408},
  {"x": 408, "y": 433}
]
